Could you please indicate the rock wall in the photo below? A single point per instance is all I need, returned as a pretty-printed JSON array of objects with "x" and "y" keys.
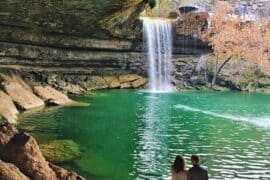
[
  {"x": 84, "y": 18},
  {"x": 68, "y": 44},
  {"x": 69, "y": 40},
  {"x": 76, "y": 46}
]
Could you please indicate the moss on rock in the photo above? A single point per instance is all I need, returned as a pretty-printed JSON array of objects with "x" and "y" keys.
[{"x": 59, "y": 151}]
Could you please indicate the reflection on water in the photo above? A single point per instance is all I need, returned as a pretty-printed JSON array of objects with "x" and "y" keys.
[
  {"x": 152, "y": 130},
  {"x": 136, "y": 135}
]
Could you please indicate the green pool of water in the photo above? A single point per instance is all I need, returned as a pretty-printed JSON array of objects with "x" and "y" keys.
[{"x": 136, "y": 135}]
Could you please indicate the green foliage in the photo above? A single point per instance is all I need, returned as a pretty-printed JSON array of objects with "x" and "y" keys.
[{"x": 59, "y": 151}]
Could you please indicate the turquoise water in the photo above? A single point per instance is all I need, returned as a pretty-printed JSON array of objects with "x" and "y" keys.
[{"x": 136, "y": 135}]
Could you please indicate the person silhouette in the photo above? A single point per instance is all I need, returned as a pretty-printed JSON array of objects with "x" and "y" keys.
[
  {"x": 197, "y": 172},
  {"x": 178, "y": 168}
]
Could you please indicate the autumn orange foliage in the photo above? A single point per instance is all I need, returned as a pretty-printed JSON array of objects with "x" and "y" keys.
[{"x": 233, "y": 38}]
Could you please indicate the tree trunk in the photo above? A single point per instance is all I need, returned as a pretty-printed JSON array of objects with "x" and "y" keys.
[{"x": 219, "y": 70}]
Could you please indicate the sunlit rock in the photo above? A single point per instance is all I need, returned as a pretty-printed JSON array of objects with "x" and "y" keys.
[
  {"x": 11, "y": 172},
  {"x": 128, "y": 78},
  {"x": 113, "y": 81},
  {"x": 22, "y": 96},
  {"x": 96, "y": 82},
  {"x": 23, "y": 151},
  {"x": 51, "y": 95},
  {"x": 7, "y": 108},
  {"x": 139, "y": 82},
  {"x": 126, "y": 85}
]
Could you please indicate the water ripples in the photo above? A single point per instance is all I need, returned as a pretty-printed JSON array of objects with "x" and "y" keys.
[{"x": 228, "y": 150}]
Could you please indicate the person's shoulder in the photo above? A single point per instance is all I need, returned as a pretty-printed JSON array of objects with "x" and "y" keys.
[
  {"x": 191, "y": 169},
  {"x": 203, "y": 169}
]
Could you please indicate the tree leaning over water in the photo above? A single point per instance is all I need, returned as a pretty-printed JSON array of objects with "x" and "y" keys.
[{"x": 233, "y": 38}]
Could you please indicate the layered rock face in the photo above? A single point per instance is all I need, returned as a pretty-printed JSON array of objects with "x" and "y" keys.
[
  {"x": 48, "y": 40},
  {"x": 84, "y": 18}
]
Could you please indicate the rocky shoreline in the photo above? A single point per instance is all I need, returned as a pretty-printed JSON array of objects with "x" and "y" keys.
[{"x": 21, "y": 158}]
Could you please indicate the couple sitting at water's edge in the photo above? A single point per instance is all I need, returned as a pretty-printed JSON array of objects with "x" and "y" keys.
[{"x": 179, "y": 172}]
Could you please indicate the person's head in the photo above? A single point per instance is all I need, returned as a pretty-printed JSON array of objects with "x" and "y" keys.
[
  {"x": 179, "y": 164},
  {"x": 195, "y": 159}
]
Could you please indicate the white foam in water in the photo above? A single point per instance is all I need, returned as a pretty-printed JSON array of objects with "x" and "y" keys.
[
  {"x": 259, "y": 121},
  {"x": 158, "y": 38}
]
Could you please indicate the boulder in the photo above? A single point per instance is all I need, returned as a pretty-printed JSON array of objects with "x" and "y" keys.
[
  {"x": 139, "y": 82},
  {"x": 96, "y": 82},
  {"x": 7, "y": 108},
  {"x": 7, "y": 132},
  {"x": 51, "y": 95},
  {"x": 22, "y": 96},
  {"x": 128, "y": 78},
  {"x": 64, "y": 174},
  {"x": 23, "y": 151},
  {"x": 59, "y": 151},
  {"x": 113, "y": 81},
  {"x": 11, "y": 172}
]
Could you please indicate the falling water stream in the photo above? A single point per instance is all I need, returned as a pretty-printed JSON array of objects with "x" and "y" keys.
[{"x": 158, "y": 39}]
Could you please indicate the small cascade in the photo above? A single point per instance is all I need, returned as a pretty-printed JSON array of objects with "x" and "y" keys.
[{"x": 158, "y": 39}]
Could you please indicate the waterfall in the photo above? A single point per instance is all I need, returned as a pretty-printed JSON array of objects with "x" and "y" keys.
[{"x": 158, "y": 39}]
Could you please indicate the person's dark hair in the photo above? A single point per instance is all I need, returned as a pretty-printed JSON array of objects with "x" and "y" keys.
[
  {"x": 179, "y": 164},
  {"x": 195, "y": 158}
]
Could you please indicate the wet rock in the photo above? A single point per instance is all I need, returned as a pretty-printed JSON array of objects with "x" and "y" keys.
[
  {"x": 11, "y": 172},
  {"x": 139, "y": 82},
  {"x": 7, "y": 108},
  {"x": 51, "y": 95},
  {"x": 59, "y": 151},
  {"x": 22, "y": 96},
  {"x": 113, "y": 81},
  {"x": 128, "y": 78}
]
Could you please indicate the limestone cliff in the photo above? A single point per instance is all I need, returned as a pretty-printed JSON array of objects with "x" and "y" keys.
[
  {"x": 46, "y": 39},
  {"x": 76, "y": 45},
  {"x": 83, "y": 18}
]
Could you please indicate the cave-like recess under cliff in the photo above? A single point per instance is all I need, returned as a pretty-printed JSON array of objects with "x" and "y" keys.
[
  {"x": 89, "y": 37},
  {"x": 83, "y": 18}
]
